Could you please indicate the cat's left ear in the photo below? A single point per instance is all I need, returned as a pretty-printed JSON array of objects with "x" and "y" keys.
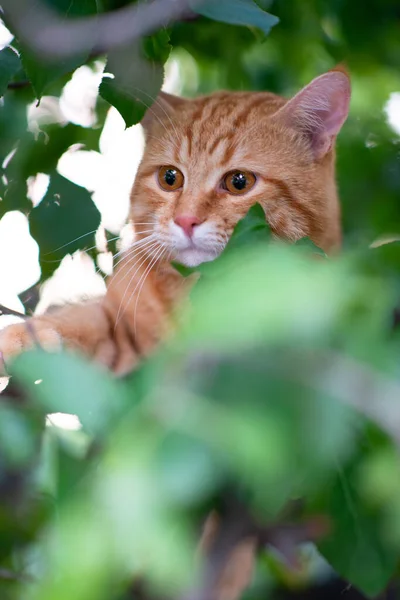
[
  {"x": 320, "y": 109},
  {"x": 164, "y": 107}
]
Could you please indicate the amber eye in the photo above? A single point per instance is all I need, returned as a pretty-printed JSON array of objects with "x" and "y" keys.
[
  {"x": 239, "y": 182},
  {"x": 170, "y": 178}
]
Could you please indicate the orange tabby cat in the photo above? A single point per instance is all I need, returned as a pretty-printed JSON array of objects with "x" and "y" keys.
[{"x": 206, "y": 162}]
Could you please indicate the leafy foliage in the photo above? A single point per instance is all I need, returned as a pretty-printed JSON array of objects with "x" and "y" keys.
[
  {"x": 138, "y": 76},
  {"x": 279, "y": 393}
]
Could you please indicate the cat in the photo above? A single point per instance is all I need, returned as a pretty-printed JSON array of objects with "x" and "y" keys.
[{"x": 206, "y": 162}]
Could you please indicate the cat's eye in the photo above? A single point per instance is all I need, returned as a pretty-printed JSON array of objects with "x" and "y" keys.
[
  {"x": 170, "y": 178},
  {"x": 238, "y": 182}
]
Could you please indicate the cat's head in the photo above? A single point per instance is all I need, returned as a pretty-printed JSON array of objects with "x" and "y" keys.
[{"x": 208, "y": 160}]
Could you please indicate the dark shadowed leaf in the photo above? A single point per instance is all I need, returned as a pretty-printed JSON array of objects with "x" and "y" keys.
[
  {"x": 235, "y": 12},
  {"x": 10, "y": 64},
  {"x": 42, "y": 155},
  {"x": 138, "y": 76},
  {"x": 357, "y": 548},
  {"x": 42, "y": 75},
  {"x": 65, "y": 221},
  {"x": 15, "y": 198},
  {"x": 252, "y": 228}
]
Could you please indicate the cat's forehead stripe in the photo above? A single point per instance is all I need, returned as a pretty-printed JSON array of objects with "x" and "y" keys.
[{"x": 215, "y": 123}]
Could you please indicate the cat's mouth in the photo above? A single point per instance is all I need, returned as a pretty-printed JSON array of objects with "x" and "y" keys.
[
  {"x": 192, "y": 257},
  {"x": 193, "y": 249}
]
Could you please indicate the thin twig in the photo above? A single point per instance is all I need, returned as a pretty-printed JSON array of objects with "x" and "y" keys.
[
  {"x": 4, "y": 310},
  {"x": 54, "y": 37}
]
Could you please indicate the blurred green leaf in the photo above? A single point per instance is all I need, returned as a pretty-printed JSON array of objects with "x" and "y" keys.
[
  {"x": 187, "y": 469},
  {"x": 247, "y": 301},
  {"x": 138, "y": 76},
  {"x": 19, "y": 435},
  {"x": 66, "y": 383},
  {"x": 235, "y": 12},
  {"x": 357, "y": 547}
]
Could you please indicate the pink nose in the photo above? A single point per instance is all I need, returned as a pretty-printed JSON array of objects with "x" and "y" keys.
[{"x": 188, "y": 223}]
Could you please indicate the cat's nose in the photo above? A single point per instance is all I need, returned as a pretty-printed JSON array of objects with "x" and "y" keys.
[{"x": 187, "y": 223}]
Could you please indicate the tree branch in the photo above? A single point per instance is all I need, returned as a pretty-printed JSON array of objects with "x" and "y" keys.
[
  {"x": 54, "y": 37},
  {"x": 4, "y": 310}
]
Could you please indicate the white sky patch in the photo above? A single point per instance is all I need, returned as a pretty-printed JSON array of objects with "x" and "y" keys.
[
  {"x": 392, "y": 110},
  {"x": 64, "y": 421},
  {"x": 19, "y": 267},
  {"x": 37, "y": 187},
  {"x": 5, "y": 36},
  {"x": 78, "y": 98}
]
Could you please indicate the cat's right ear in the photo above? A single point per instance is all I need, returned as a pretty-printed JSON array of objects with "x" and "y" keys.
[{"x": 164, "y": 107}]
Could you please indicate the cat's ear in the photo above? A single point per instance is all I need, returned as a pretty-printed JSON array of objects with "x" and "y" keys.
[
  {"x": 320, "y": 109},
  {"x": 164, "y": 107}
]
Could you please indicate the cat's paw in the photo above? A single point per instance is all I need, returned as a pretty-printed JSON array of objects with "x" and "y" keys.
[{"x": 21, "y": 337}]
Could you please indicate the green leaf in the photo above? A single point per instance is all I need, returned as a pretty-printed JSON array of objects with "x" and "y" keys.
[
  {"x": 307, "y": 245},
  {"x": 18, "y": 435},
  {"x": 74, "y": 8},
  {"x": 357, "y": 548},
  {"x": 42, "y": 155},
  {"x": 235, "y": 12},
  {"x": 10, "y": 64},
  {"x": 42, "y": 74},
  {"x": 138, "y": 76},
  {"x": 66, "y": 220},
  {"x": 15, "y": 197},
  {"x": 252, "y": 228},
  {"x": 70, "y": 384}
]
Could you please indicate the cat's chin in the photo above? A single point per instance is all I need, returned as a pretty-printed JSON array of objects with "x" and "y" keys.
[{"x": 193, "y": 257}]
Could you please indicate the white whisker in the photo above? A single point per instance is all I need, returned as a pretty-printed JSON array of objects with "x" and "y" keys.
[
  {"x": 140, "y": 253},
  {"x": 143, "y": 260},
  {"x": 71, "y": 242},
  {"x": 158, "y": 256},
  {"x": 140, "y": 244},
  {"x": 137, "y": 246}
]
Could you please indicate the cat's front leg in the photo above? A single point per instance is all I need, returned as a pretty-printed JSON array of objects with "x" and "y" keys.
[
  {"x": 24, "y": 336},
  {"x": 87, "y": 329}
]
